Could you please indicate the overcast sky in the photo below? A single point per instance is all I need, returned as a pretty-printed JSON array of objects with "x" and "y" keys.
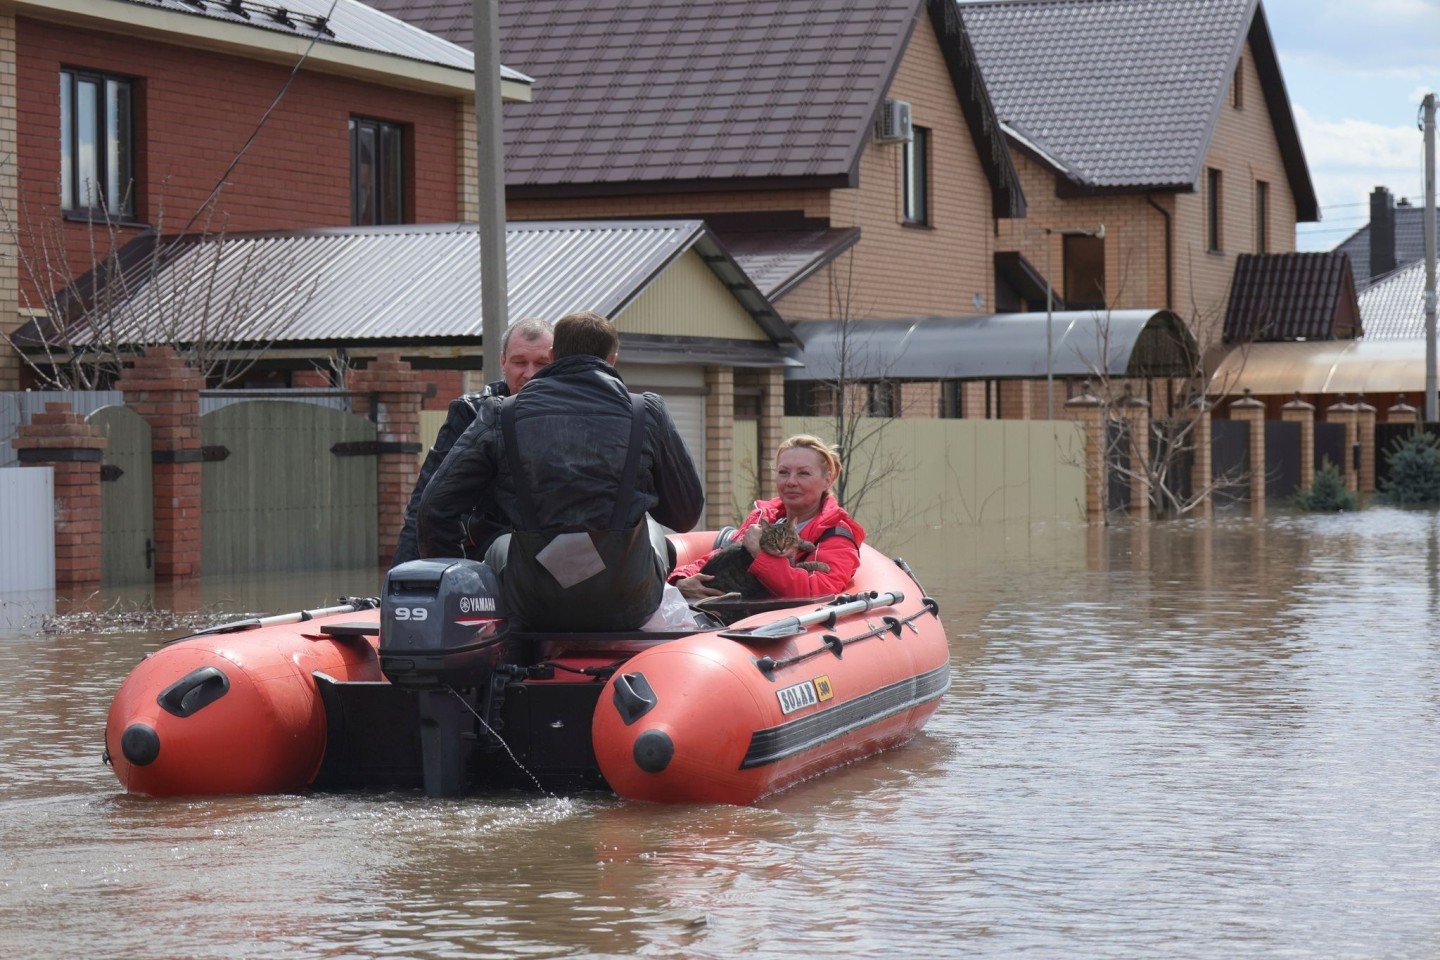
[{"x": 1356, "y": 71}]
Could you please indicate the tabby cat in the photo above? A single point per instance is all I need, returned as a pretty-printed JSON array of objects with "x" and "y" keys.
[{"x": 731, "y": 566}]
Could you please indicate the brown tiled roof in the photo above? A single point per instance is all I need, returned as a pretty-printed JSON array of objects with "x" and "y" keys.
[
  {"x": 1292, "y": 296},
  {"x": 779, "y": 260},
  {"x": 639, "y": 96}
]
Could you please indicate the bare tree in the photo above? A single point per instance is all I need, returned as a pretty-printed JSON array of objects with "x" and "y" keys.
[{"x": 207, "y": 296}]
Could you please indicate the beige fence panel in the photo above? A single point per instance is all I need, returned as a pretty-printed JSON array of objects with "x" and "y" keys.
[{"x": 285, "y": 496}]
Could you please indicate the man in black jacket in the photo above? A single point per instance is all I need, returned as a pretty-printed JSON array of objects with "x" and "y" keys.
[
  {"x": 582, "y": 556},
  {"x": 524, "y": 352}
]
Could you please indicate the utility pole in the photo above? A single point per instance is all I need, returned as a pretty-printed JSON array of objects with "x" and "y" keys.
[
  {"x": 1432, "y": 402},
  {"x": 490, "y": 169}
]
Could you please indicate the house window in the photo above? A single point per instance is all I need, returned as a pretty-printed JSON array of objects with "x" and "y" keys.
[
  {"x": 1213, "y": 221},
  {"x": 377, "y": 172},
  {"x": 1237, "y": 88},
  {"x": 97, "y": 150},
  {"x": 916, "y": 186},
  {"x": 1084, "y": 272},
  {"x": 881, "y": 399},
  {"x": 1262, "y": 217}
]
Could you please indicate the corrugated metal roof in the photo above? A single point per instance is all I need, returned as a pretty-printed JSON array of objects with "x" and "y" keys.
[
  {"x": 1291, "y": 296},
  {"x": 407, "y": 282},
  {"x": 347, "y": 23},
  {"x": 997, "y": 346}
]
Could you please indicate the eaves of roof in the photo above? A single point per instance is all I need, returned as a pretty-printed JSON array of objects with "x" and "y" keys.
[
  {"x": 365, "y": 284},
  {"x": 343, "y": 37}
]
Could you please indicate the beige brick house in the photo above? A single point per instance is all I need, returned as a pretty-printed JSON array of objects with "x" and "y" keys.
[{"x": 1167, "y": 122}]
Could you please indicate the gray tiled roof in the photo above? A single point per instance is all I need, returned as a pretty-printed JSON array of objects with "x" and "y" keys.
[
  {"x": 1125, "y": 93},
  {"x": 1409, "y": 242},
  {"x": 347, "y": 23}
]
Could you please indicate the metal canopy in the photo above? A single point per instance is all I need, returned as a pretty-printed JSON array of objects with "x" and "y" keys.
[
  {"x": 1120, "y": 343},
  {"x": 1323, "y": 367}
]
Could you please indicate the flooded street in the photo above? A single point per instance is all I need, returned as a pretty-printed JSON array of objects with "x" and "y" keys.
[{"x": 1189, "y": 740}]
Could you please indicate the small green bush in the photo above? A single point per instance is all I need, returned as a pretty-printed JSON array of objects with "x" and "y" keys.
[
  {"x": 1327, "y": 493},
  {"x": 1414, "y": 473}
]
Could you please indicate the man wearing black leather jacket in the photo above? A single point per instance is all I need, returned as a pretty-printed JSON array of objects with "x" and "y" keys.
[
  {"x": 524, "y": 352},
  {"x": 572, "y": 428}
]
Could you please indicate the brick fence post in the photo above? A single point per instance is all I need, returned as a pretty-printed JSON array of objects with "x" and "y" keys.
[
  {"x": 1365, "y": 436},
  {"x": 1298, "y": 411},
  {"x": 1401, "y": 412},
  {"x": 1137, "y": 416},
  {"x": 165, "y": 390},
  {"x": 1344, "y": 413},
  {"x": 393, "y": 394},
  {"x": 64, "y": 441},
  {"x": 1087, "y": 410},
  {"x": 1252, "y": 411}
]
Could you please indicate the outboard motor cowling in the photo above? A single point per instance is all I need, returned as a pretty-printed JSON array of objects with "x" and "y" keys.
[{"x": 441, "y": 625}]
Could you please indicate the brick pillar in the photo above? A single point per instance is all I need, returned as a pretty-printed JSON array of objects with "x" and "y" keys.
[
  {"x": 1252, "y": 411},
  {"x": 1365, "y": 436},
  {"x": 1087, "y": 410},
  {"x": 1298, "y": 411},
  {"x": 1137, "y": 417},
  {"x": 1202, "y": 466},
  {"x": 165, "y": 390},
  {"x": 772, "y": 428},
  {"x": 1344, "y": 413},
  {"x": 1015, "y": 400},
  {"x": 392, "y": 394},
  {"x": 10, "y": 300},
  {"x": 719, "y": 464},
  {"x": 72, "y": 448},
  {"x": 1402, "y": 412}
]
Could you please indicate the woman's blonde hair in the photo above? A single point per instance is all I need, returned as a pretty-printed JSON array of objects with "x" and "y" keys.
[{"x": 827, "y": 453}]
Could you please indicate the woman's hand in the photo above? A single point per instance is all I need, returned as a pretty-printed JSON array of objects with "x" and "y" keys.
[
  {"x": 751, "y": 540},
  {"x": 694, "y": 588}
]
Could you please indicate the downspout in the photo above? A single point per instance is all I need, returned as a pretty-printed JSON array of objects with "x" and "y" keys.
[{"x": 1169, "y": 266}]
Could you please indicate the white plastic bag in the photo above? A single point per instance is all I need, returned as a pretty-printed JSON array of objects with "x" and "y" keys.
[{"x": 673, "y": 614}]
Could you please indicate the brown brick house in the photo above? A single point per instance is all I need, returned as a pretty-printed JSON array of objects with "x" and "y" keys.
[{"x": 168, "y": 115}]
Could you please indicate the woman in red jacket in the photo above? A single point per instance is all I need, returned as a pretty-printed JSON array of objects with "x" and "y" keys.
[{"x": 805, "y": 468}]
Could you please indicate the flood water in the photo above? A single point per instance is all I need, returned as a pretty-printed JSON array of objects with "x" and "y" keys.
[{"x": 1172, "y": 740}]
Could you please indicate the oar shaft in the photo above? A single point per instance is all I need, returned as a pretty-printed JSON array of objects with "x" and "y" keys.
[{"x": 791, "y": 625}]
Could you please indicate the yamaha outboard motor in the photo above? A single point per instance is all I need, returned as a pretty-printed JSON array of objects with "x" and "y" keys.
[{"x": 443, "y": 635}]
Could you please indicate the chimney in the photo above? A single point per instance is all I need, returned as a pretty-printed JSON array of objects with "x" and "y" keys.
[{"x": 1382, "y": 232}]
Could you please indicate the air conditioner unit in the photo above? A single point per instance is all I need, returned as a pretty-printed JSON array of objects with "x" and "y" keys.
[{"x": 894, "y": 122}]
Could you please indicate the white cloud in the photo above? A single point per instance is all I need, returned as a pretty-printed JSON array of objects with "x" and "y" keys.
[{"x": 1351, "y": 143}]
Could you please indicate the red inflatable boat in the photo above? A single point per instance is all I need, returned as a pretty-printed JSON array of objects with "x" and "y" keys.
[{"x": 434, "y": 689}]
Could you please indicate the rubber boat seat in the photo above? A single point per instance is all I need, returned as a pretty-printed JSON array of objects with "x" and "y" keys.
[{"x": 729, "y": 611}]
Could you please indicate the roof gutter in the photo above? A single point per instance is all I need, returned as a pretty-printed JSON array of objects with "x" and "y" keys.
[{"x": 1169, "y": 257}]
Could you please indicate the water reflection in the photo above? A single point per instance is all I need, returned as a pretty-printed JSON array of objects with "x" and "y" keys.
[{"x": 1198, "y": 739}]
